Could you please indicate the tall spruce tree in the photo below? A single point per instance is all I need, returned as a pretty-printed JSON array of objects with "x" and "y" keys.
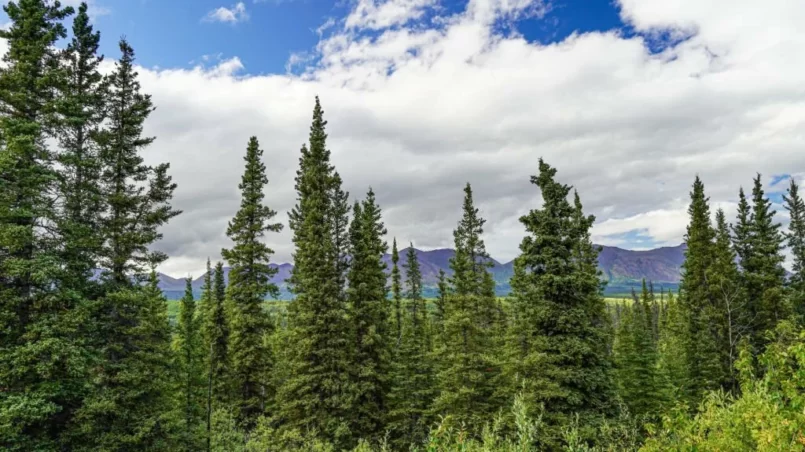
[
  {"x": 189, "y": 352},
  {"x": 315, "y": 400},
  {"x": 705, "y": 366},
  {"x": 42, "y": 356},
  {"x": 796, "y": 244},
  {"x": 369, "y": 316},
  {"x": 561, "y": 334},
  {"x": 249, "y": 283},
  {"x": 731, "y": 311},
  {"x": 759, "y": 243},
  {"x": 131, "y": 405},
  {"x": 136, "y": 195},
  {"x": 413, "y": 386},
  {"x": 467, "y": 370},
  {"x": 81, "y": 111},
  {"x": 396, "y": 291}
]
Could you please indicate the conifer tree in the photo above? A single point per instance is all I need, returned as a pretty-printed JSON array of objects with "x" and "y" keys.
[
  {"x": 729, "y": 300},
  {"x": 314, "y": 400},
  {"x": 440, "y": 302},
  {"x": 339, "y": 219},
  {"x": 249, "y": 283},
  {"x": 136, "y": 195},
  {"x": 705, "y": 366},
  {"x": 216, "y": 333},
  {"x": 467, "y": 372},
  {"x": 796, "y": 244},
  {"x": 396, "y": 292},
  {"x": 640, "y": 383},
  {"x": 189, "y": 352},
  {"x": 130, "y": 406},
  {"x": 42, "y": 358},
  {"x": 413, "y": 388},
  {"x": 765, "y": 269},
  {"x": 758, "y": 243},
  {"x": 673, "y": 347},
  {"x": 369, "y": 317},
  {"x": 81, "y": 110},
  {"x": 560, "y": 336}
]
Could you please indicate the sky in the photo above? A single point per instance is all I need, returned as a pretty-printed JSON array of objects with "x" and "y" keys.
[{"x": 628, "y": 99}]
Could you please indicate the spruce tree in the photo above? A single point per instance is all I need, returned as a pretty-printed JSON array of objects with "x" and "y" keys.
[
  {"x": 130, "y": 406},
  {"x": 640, "y": 383},
  {"x": 396, "y": 292},
  {"x": 673, "y": 347},
  {"x": 729, "y": 298},
  {"x": 443, "y": 289},
  {"x": 43, "y": 360},
  {"x": 314, "y": 400},
  {"x": 369, "y": 317},
  {"x": 467, "y": 371},
  {"x": 81, "y": 111},
  {"x": 560, "y": 335},
  {"x": 759, "y": 242},
  {"x": 136, "y": 195},
  {"x": 339, "y": 219},
  {"x": 705, "y": 366},
  {"x": 249, "y": 283},
  {"x": 413, "y": 387},
  {"x": 216, "y": 334},
  {"x": 189, "y": 352},
  {"x": 796, "y": 244}
]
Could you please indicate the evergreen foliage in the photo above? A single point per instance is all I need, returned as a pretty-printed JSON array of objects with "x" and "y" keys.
[
  {"x": 216, "y": 333},
  {"x": 560, "y": 352},
  {"x": 763, "y": 271},
  {"x": 729, "y": 298},
  {"x": 467, "y": 370},
  {"x": 369, "y": 318},
  {"x": 396, "y": 292},
  {"x": 796, "y": 244},
  {"x": 81, "y": 110},
  {"x": 137, "y": 195},
  {"x": 705, "y": 366},
  {"x": 315, "y": 400},
  {"x": 641, "y": 384},
  {"x": 43, "y": 357},
  {"x": 413, "y": 389},
  {"x": 130, "y": 406},
  {"x": 189, "y": 352},
  {"x": 249, "y": 283}
]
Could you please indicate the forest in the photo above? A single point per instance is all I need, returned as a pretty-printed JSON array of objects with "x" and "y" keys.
[{"x": 89, "y": 360}]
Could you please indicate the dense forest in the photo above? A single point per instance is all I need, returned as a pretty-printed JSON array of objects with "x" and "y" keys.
[{"x": 92, "y": 363}]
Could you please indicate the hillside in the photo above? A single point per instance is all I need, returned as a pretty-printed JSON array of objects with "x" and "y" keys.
[{"x": 622, "y": 269}]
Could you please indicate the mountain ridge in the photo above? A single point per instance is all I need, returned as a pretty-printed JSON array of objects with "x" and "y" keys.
[{"x": 622, "y": 269}]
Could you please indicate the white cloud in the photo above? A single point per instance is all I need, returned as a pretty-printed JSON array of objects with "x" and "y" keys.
[
  {"x": 418, "y": 110},
  {"x": 236, "y": 13},
  {"x": 378, "y": 14},
  {"x": 422, "y": 107}
]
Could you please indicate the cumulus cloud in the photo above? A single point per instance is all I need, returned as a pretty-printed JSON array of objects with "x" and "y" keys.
[
  {"x": 234, "y": 14},
  {"x": 379, "y": 14},
  {"x": 427, "y": 102}
]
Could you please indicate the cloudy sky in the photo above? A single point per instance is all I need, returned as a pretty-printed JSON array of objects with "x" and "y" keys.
[{"x": 629, "y": 99}]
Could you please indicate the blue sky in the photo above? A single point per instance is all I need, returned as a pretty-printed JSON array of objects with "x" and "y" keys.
[{"x": 174, "y": 34}]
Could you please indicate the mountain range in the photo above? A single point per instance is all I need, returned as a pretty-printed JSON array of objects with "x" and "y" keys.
[{"x": 622, "y": 269}]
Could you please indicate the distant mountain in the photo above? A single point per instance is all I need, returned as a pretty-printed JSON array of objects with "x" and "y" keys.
[{"x": 622, "y": 269}]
